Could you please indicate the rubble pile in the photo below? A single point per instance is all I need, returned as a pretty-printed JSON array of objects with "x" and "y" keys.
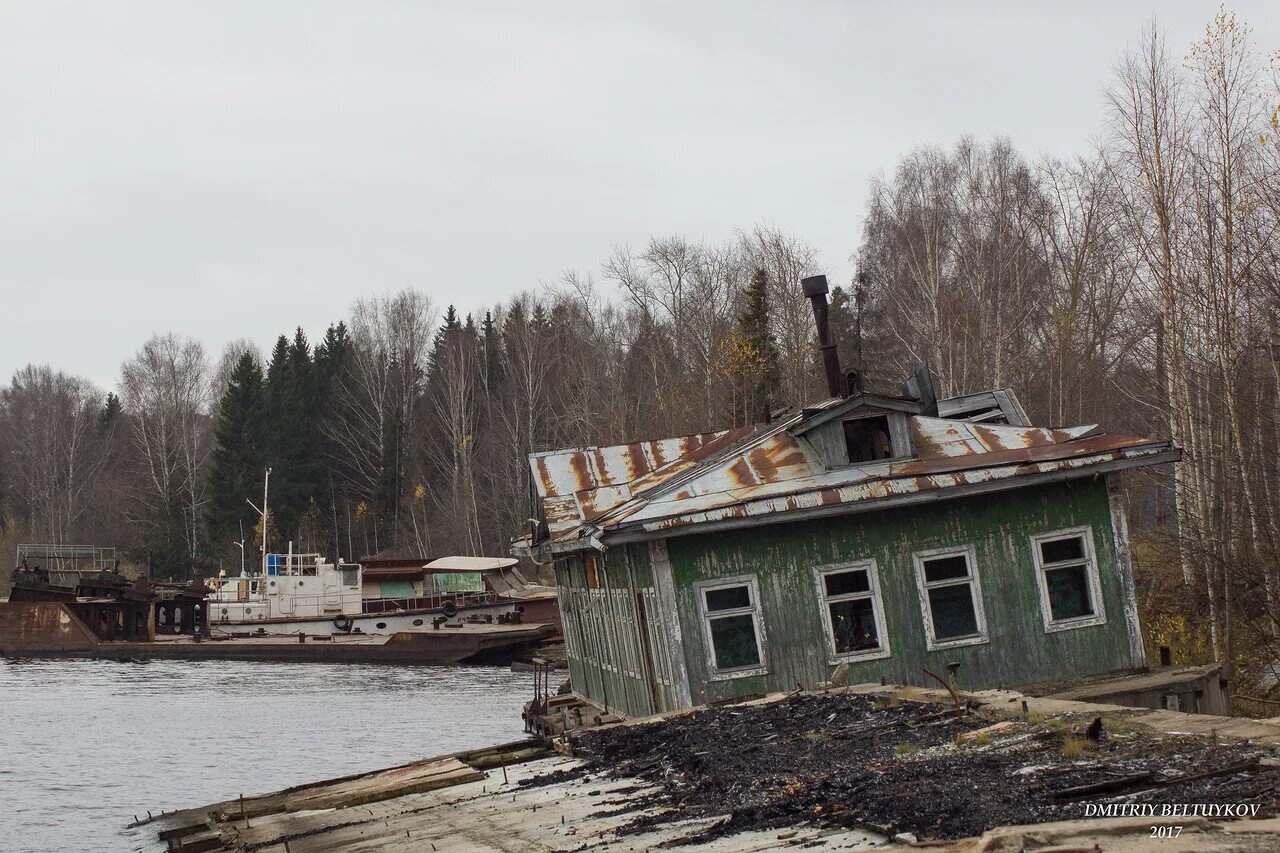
[{"x": 895, "y": 766}]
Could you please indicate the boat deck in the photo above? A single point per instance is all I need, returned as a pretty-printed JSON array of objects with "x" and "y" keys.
[{"x": 48, "y": 628}]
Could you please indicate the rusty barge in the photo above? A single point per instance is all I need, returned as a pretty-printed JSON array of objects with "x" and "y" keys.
[{"x": 105, "y": 615}]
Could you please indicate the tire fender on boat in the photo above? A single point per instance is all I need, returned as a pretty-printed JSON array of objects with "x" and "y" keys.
[{"x": 342, "y": 622}]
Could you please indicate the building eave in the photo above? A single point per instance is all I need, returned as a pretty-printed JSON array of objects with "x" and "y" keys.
[{"x": 717, "y": 520}]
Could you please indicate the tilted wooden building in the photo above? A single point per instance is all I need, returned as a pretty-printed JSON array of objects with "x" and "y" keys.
[{"x": 893, "y": 533}]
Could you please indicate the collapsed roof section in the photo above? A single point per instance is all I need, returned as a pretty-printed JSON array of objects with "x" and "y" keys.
[{"x": 597, "y": 496}]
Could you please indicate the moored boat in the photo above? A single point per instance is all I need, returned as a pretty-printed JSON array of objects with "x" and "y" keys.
[{"x": 303, "y": 593}]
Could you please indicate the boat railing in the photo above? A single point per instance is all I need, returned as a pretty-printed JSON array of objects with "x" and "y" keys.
[
  {"x": 291, "y": 564},
  {"x": 430, "y": 602},
  {"x": 321, "y": 602}
]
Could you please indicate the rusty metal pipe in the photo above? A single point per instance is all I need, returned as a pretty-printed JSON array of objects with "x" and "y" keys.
[{"x": 815, "y": 289}]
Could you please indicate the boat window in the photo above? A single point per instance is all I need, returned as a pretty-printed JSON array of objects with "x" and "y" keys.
[
  {"x": 350, "y": 576},
  {"x": 417, "y": 622},
  {"x": 381, "y": 625}
]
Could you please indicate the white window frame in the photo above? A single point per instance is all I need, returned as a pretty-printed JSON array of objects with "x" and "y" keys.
[
  {"x": 877, "y": 604},
  {"x": 701, "y": 588},
  {"x": 969, "y": 552},
  {"x": 1099, "y": 615}
]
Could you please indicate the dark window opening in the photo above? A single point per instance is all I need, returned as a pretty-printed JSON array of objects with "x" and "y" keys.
[
  {"x": 867, "y": 439},
  {"x": 946, "y": 568},
  {"x": 731, "y": 618},
  {"x": 1057, "y": 550},
  {"x": 734, "y": 640},
  {"x": 1067, "y": 565},
  {"x": 729, "y": 598},
  {"x": 853, "y": 626},
  {"x": 846, "y": 583},
  {"x": 952, "y": 611},
  {"x": 1069, "y": 593}
]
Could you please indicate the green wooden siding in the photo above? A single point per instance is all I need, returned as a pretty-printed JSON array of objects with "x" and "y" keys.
[
  {"x": 783, "y": 558},
  {"x": 613, "y": 633}
]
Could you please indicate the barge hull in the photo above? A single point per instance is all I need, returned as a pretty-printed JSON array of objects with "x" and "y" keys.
[{"x": 40, "y": 629}]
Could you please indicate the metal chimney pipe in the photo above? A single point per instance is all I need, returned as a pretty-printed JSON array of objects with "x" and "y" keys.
[{"x": 815, "y": 289}]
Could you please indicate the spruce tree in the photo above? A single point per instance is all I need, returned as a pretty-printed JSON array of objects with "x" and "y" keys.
[
  {"x": 109, "y": 412},
  {"x": 236, "y": 469},
  {"x": 754, "y": 332},
  {"x": 304, "y": 438},
  {"x": 282, "y": 413},
  {"x": 331, "y": 361}
]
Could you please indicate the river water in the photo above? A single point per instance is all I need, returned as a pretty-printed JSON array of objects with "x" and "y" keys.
[{"x": 85, "y": 745}]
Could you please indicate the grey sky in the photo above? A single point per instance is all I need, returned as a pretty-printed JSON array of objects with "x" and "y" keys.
[{"x": 237, "y": 169}]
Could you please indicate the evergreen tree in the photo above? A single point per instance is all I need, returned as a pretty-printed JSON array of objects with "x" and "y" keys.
[
  {"x": 282, "y": 443},
  {"x": 236, "y": 468},
  {"x": 304, "y": 443},
  {"x": 754, "y": 331},
  {"x": 331, "y": 361},
  {"x": 843, "y": 316},
  {"x": 491, "y": 349},
  {"x": 110, "y": 411}
]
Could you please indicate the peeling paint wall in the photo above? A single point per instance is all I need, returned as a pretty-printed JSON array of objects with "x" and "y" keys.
[
  {"x": 626, "y": 646},
  {"x": 783, "y": 558},
  {"x": 617, "y": 632}
]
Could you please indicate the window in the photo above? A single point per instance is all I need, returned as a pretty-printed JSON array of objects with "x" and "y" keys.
[
  {"x": 950, "y": 597},
  {"x": 350, "y": 575},
  {"x": 731, "y": 623},
  {"x": 1067, "y": 574},
  {"x": 852, "y": 610},
  {"x": 867, "y": 439}
]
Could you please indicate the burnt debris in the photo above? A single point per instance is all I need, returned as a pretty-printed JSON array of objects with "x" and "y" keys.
[{"x": 896, "y": 766}]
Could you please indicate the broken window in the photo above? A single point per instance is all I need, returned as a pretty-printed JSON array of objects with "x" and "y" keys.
[
  {"x": 951, "y": 598},
  {"x": 867, "y": 439},
  {"x": 1067, "y": 572},
  {"x": 731, "y": 615},
  {"x": 851, "y": 607}
]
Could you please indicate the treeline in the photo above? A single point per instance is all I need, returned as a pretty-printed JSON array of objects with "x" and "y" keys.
[{"x": 1137, "y": 285}]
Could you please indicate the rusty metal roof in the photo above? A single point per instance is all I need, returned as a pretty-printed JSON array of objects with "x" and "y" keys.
[{"x": 749, "y": 475}]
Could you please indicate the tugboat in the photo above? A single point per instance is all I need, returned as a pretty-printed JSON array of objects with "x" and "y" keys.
[{"x": 303, "y": 593}]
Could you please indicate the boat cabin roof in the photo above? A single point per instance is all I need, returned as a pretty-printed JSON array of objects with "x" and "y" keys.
[{"x": 471, "y": 564}]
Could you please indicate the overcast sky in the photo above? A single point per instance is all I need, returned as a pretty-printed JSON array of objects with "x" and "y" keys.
[{"x": 237, "y": 169}]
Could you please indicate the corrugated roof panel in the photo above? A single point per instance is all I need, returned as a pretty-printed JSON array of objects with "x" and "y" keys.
[{"x": 742, "y": 472}]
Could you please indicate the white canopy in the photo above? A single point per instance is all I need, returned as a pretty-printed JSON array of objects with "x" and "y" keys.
[{"x": 471, "y": 564}]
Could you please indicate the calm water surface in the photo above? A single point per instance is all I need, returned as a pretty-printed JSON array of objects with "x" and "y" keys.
[{"x": 86, "y": 745}]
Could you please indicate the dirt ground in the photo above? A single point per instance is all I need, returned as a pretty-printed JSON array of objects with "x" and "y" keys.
[{"x": 903, "y": 766}]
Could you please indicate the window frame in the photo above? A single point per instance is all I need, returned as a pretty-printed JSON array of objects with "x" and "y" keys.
[
  {"x": 877, "y": 603},
  {"x": 1092, "y": 572},
  {"x": 701, "y": 588},
  {"x": 901, "y": 443},
  {"x": 973, "y": 581}
]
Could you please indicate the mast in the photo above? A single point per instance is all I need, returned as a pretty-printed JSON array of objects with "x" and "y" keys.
[{"x": 266, "y": 482}]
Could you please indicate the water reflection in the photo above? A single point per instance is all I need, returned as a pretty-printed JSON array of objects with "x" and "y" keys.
[{"x": 85, "y": 745}]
